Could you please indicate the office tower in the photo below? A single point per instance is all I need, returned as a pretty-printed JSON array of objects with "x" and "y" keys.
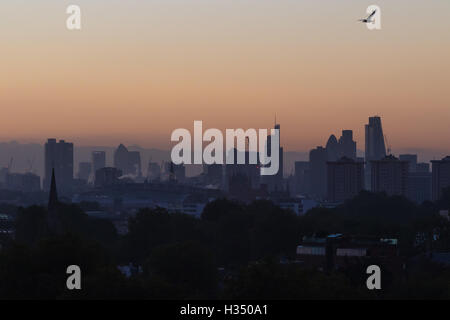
[
  {"x": 121, "y": 159},
  {"x": 134, "y": 163},
  {"x": 345, "y": 179},
  {"x": 84, "y": 170},
  {"x": 107, "y": 176},
  {"x": 275, "y": 182},
  {"x": 411, "y": 159},
  {"x": 344, "y": 147},
  {"x": 347, "y": 147},
  {"x": 153, "y": 171},
  {"x": 332, "y": 148},
  {"x": 441, "y": 177},
  {"x": 129, "y": 162},
  {"x": 302, "y": 177},
  {"x": 98, "y": 160},
  {"x": 419, "y": 179},
  {"x": 389, "y": 175},
  {"x": 59, "y": 155},
  {"x": 318, "y": 172},
  {"x": 375, "y": 147}
]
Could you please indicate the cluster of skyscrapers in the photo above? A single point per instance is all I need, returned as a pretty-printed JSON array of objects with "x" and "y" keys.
[
  {"x": 59, "y": 156},
  {"x": 334, "y": 173}
]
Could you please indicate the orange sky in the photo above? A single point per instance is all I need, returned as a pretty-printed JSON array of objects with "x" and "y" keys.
[{"x": 140, "y": 69}]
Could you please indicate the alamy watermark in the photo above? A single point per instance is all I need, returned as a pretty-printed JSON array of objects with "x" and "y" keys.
[
  {"x": 73, "y": 22},
  {"x": 373, "y": 20},
  {"x": 374, "y": 280},
  {"x": 74, "y": 280},
  {"x": 235, "y": 147}
]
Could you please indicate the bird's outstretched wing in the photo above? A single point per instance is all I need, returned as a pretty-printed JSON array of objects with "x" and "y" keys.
[{"x": 372, "y": 14}]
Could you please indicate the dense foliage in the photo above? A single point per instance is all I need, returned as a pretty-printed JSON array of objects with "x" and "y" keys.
[{"x": 233, "y": 251}]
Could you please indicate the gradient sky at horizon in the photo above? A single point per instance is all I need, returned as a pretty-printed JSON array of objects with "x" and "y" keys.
[{"x": 139, "y": 69}]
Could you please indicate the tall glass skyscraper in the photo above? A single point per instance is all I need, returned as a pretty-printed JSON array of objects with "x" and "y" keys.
[{"x": 375, "y": 147}]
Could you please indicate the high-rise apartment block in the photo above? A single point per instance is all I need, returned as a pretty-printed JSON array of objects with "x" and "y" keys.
[
  {"x": 345, "y": 179},
  {"x": 59, "y": 156}
]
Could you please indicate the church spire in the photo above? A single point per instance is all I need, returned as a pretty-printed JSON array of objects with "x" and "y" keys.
[
  {"x": 53, "y": 220},
  {"x": 53, "y": 197}
]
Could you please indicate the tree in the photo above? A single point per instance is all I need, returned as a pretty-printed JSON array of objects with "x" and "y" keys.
[
  {"x": 444, "y": 201},
  {"x": 148, "y": 229},
  {"x": 39, "y": 271},
  {"x": 275, "y": 231},
  {"x": 271, "y": 280},
  {"x": 188, "y": 266},
  {"x": 31, "y": 225}
]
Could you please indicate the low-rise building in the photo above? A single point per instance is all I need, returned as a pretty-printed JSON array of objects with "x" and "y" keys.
[{"x": 337, "y": 251}]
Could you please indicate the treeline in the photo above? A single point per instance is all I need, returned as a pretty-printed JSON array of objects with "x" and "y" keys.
[{"x": 233, "y": 251}]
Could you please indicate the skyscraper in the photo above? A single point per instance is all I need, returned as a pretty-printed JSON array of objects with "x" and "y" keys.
[
  {"x": 121, "y": 159},
  {"x": 441, "y": 177},
  {"x": 345, "y": 179},
  {"x": 389, "y": 175},
  {"x": 375, "y": 147},
  {"x": 332, "y": 148},
  {"x": 275, "y": 182},
  {"x": 347, "y": 147},
  {"x": 412, "y": 161},
  {"x": 129, "y": 162},
  {"x": 59, "y": 155},
  {"x": 419, "y": 179},
  {"x": 318, "y": 172},
  {"x": 98, "y": 160},
  {"x": 134, "y": 163}
]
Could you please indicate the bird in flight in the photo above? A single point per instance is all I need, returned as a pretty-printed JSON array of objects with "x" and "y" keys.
[{"x": 369, "y": 18}]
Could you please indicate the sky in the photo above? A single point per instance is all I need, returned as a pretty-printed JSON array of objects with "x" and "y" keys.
[{"x": 140, "y": 69}]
